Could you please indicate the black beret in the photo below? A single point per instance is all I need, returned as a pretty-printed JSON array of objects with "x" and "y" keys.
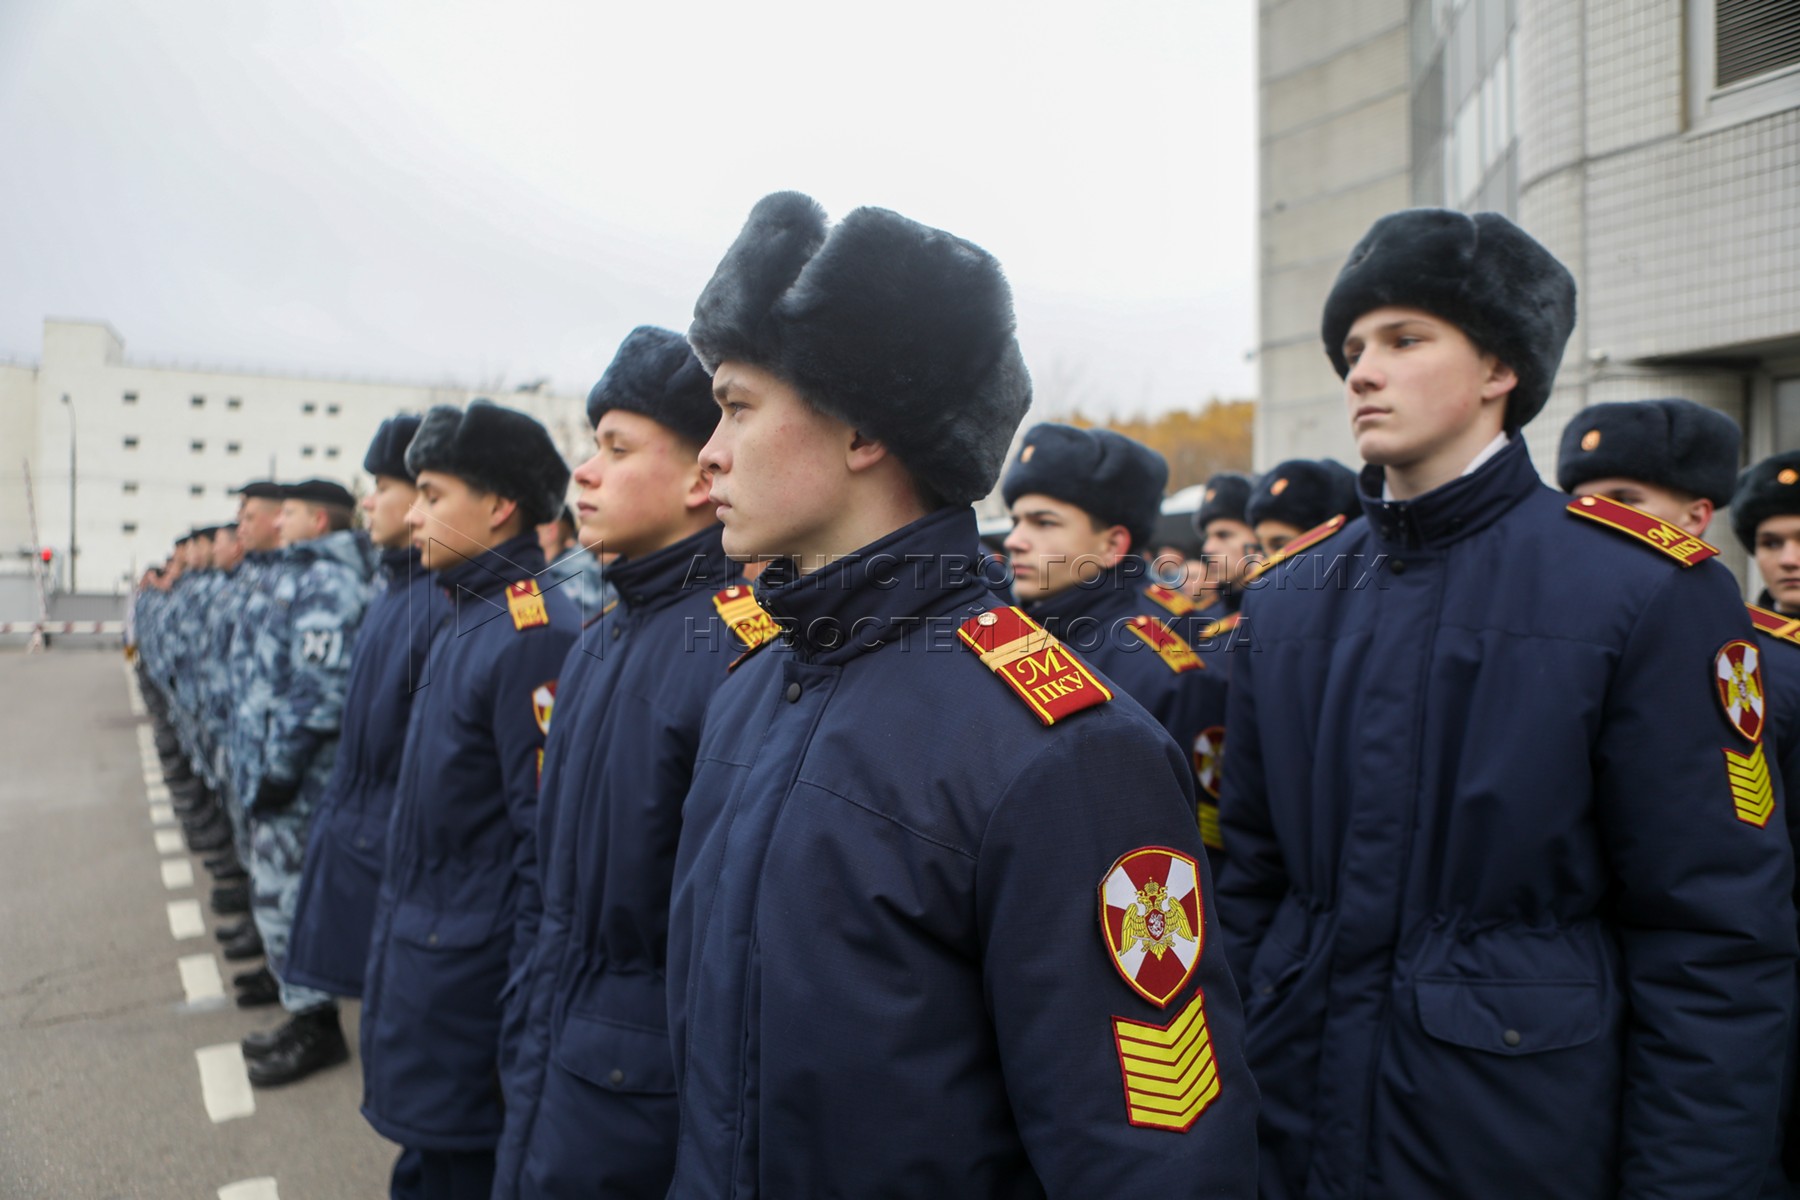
[
  {"x": 184, "y": 539},
  {"x": 262, "y": 489},
  {"x": 1482, "y": 273},
  {"x": 1112, "y": 478},
  {"x": 1769, "y": 489},
  {"x": 900, "y": 330},
  {"x": 656, "y": 375},
  {"x": 1670, "y": 443},
  {"x": 387, "y": 452},
  {"x": 320, "y": 491},
  {"x": 499, "y": 450},
  {"x": 1303, "y": 492},
  {"x": 1224, "y": 499}
]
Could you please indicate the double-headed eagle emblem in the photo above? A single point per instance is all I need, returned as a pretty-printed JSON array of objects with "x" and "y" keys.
[{"x": 1155, "y": 921}]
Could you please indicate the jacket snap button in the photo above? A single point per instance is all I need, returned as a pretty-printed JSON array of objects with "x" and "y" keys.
[
  {"x": 1267, "y": 989},
  {"x": 1397, "y": 566},
  {"x": 432, "y": 940},
  {"x": 615, "y": 633},
  {"x": 793, "y": 692},
  {"x": 617, "y": 1076},
  {"x": 1511, "y": 1037}
]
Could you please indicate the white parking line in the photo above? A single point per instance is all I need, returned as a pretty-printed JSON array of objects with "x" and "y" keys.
[
  {"x": 250, "y": 1189},
  {"x": 155, "y": 789},
  {"x": 177, "y": 873},
  {"x": 200, "y": 978},
  {"x": 168, "y": 841},
  {"x": 185, "y": 920},
  {"x": 224, "y": 1083},
  {"x": 162, "y": 814}
]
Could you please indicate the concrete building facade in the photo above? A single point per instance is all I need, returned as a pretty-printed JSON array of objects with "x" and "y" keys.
[
  {"x": 1653, "y": 145},
  {"x": 160, "y": 448}
]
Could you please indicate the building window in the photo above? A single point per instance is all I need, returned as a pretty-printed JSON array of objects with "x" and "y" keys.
[
  {"x": 130, "y": 487},
  {"x": 196, "y": 489},
  {"x": 1463, "y": 133},
  {"x": 234, "y": 402},
  {"x": 128, "y": 527},
  {"x": 197, "y": 445},
  {"x": 309, "y": 408},
  {"x": 232, "y": 447},
  {"x": 331, "y": 410},
  {"x": 1754, "y": 37},
  {"x": 196, "y": 401},
  {"x": 331, "y": 452},
  {"x": 131, "y": 397},
  {"x": 306, "y": 452},
  {"x": 130, "y": 442}
]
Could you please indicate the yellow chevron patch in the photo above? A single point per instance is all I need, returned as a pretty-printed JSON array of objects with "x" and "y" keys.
[
  {"x": 1169, "y": 1074},
  {"x": 1210, "y": 833},
  {"x": 1752, "y": 795}
]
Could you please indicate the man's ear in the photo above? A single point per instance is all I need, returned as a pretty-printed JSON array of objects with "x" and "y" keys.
[
  {"x": 1117, "y": 544},
  {"x": 1699, "y": 516},
  {"x": 500, "y": 510},
  {"x": 699, "y": 485},
  {"x": 1501, "y": 379},
  {"x": 864, "y": 452}
]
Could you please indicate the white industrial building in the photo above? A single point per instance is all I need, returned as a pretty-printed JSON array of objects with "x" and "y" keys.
[{"x": 159, "y": 448}]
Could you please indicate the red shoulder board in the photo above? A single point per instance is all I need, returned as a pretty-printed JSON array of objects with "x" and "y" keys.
[
  {"x": 1672, "y": 540},
  {"x": 1774, "y": 624},
  {"x": 1052, "y": 682},
  {"x": 526, "y": 604},
  {"x": 1176, "y": 654},
  {"x": 1176, "y": 602},
  {"x": 1305, "y": 541},
  {"x": 1224, "y": 624},
  {"x": 746, "y": 618}
]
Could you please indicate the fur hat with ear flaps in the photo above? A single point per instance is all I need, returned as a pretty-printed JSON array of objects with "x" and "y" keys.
[
  {"x": 656, "y": 375},
  {"x": 498, "y": 450},
  {"x": 900, "y": 330},
  {"x": 1481, "y": 273},
  {"x": 1672, "y": 443},
  {"x": 387, "y": 450}
]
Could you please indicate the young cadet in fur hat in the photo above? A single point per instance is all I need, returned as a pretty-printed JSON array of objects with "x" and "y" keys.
[
  {"x": 302, "y": 649},
  {"x": 461, "y": 854},
  {"x": 1500, "y": 883},
  {"x": 886, "y": 974},
  {"x": 590, "y": 1095},
  {"x": 1676, "y": 462},
  {"x": 344, "y": 853},
  {"x": 1227, "y": 541},
  {"x": 1297, "y": 496},
  {"x": 1083, "y": 503}
]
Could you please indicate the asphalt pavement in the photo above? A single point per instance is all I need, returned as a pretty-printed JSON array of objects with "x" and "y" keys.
[{"x": 119, "y": 1073}]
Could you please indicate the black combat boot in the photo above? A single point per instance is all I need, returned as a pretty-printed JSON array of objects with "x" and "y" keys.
[
  {"x": 256, "y": 988},
  {"x": 259, "y": 1044},
  {"x": 250, "y": 945},
  {"x": 315, "y": 1042},
  {"x": 229, "y": 899},
  {"x": 235, "y": 930}
]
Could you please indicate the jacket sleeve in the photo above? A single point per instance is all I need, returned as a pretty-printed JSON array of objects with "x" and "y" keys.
[
  {"x": 1703, "y": 904},
  {"x": 323, "y": 619},
  {"x": 1254, "y": 877},
  {"x": 1056, "y": 997}
]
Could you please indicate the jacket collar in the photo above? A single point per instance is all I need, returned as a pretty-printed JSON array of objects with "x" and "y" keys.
[
  {"x": 399, "y": 564},
  {"x": 495, "y": 569},
  {"x": 880, "y": 593},
  {"x": 697, "y": 562},
  {"x": 1452, "y": 512},
  {"x": 1117, "y": 586}
]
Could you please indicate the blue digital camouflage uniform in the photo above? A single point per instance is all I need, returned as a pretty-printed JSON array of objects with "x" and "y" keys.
[
  {"x": 301, "y": 645},
  {"x": 215, "y": 685},
  {"x": 578, "y": 576}
]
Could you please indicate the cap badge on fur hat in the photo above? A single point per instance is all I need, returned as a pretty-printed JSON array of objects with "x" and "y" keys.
[
  {"x": 1027, "y": 452},
  {"x": 1590, "y": 440},
  {"x": 1211, "y": 494},
  {"x": 1788, "y": 476},
  {"x": 1278, "y": 487}
]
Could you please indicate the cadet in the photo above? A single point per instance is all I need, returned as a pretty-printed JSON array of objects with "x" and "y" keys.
[
  {"x": 302, "y": 650},
  {"x": 461, "y": 855},
  {"x": 590, "y": 1103},
  {"x": 885, "y": 972},
  {"x": 1674, "y": 462},
  {"x": 1227, "y": 542},
  {"x": 1083, "y": 502},
  {"x": 1765, "y": 515},
  {"x": 1297, "y": 496},
  {"x": 573, "y": 567},
  {"x": 1507, "y": 912},
  {"x": 335, "y": 908}
]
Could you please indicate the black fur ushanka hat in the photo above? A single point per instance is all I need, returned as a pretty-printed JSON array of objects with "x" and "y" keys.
[{"x": 499, "y": 450}]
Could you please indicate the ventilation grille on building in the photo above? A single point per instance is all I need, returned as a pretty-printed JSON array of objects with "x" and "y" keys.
[{"x": 1755, "y": 37}]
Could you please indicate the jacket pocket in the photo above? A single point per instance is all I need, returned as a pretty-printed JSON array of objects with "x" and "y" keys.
[
  {"x": 429, "y": 929},
  {"x": 1513, "y": 1017},
  {"x": 615, "y": 1057}
]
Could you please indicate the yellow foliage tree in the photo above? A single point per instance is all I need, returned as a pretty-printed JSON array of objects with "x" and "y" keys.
[{"x": 1198, "y": 445}]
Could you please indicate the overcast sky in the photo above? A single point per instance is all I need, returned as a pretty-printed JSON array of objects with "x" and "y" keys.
[{"x": 500, "y": 191}]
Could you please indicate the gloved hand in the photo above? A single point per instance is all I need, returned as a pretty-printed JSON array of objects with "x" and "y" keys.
[{"x": 273, "y": 797}]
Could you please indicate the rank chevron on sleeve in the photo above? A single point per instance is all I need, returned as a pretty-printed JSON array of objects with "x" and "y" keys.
[
  {"x": 1169, "y": 1073},
  {"x": 1752, "y": 793}
]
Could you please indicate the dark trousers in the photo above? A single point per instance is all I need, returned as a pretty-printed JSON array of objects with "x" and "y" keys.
[{"x": 442, "y": 1175}]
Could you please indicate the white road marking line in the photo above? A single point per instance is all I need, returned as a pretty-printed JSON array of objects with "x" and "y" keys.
[
  {"x": 250, "y": 1189},
  {"x": 224, "y": 1083},
  {"x": 168, "y": 841},
  {"x": 177, "y": 873},
  {"x": 162, "y": 814},
  {"x": 185, "y": 920},
  {"x": 200, "y": 978},
  {"x": 155, "y": 789}
]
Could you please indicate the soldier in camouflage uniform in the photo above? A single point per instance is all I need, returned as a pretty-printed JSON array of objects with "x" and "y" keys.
[
  {"x": 301, "y": 648},
  {"x": 573, "y": 567}
]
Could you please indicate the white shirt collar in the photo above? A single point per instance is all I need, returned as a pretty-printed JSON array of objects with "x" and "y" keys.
[{"x": 1475, "y": 464}]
